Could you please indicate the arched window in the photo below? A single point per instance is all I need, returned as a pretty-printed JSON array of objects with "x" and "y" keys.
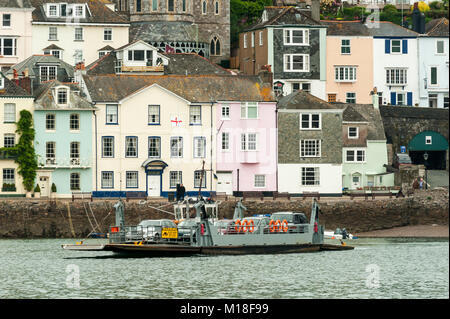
[
  {"x": 214, "y": 48},
  {"x": 204, "y": 7},
  {"x": 216, "y": 7}
]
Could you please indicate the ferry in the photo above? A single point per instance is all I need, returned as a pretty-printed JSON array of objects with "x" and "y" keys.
[{"x": 205, "y": 234}]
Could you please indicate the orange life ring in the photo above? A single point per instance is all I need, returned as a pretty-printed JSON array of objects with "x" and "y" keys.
[
  {"x": 284, "y": 226},
  {"x": 245, "y": 224},
  {"x": 251, "y": 226},
  {"x": 238, "y": 227},
  {"x": 271, "y": 226},
  {"x": 274, "y": 226}
]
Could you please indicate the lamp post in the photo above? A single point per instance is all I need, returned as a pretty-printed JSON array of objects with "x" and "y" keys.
[{"x": 425, "y": 157}]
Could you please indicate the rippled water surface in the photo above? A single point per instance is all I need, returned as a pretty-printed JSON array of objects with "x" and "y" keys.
[{"x": 376, "y": 268}]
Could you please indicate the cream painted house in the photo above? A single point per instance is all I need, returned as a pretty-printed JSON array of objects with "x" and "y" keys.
[
  {"x": 76, "y": 31},
  {"x": 15, "y": 31},
  {"x": 13, "y": 99}
]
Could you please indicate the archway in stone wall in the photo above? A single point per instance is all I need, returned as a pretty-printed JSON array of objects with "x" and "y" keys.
[{"x": 434, "y": 144}]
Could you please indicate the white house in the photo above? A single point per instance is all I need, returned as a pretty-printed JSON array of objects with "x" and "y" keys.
[{"x": 76, "y": 31}]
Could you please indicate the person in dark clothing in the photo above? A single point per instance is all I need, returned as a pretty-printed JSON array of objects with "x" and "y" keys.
[
  {"x": 182, "y": 192},
  {"x": 178, "y": 193}
]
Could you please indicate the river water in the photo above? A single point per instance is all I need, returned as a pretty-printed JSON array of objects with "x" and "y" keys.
[{"x": 376, "y": 268}]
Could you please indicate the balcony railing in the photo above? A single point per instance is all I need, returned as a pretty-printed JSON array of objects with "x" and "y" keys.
[
  {"x": 64, "y": 162},
  {"x": 7, "y": 155}
]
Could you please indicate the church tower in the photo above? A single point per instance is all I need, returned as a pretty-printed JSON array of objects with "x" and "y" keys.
[{"x": 181, "y": 26}]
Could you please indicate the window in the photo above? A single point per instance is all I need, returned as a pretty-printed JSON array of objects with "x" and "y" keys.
[
  {"x": 111, "y": 114},
  {"x": 6, "y": 20},
  {"x": 136, "y": 55},
  {"x": 78, "y": 56},
  {"x": 260, "y": 181},
  {"x": 8, "y": 46},
  {"x": 74, "y": 181},
  {"x": 353, "y": 132},
  {"x": 225, "y": 141},
  {"x": 432, "y": 100},
  {"x": 74, "y": 150},
  {"x": 9, "y": 140},
  {"x": 253, "y": 39},
  {"x": 2, "y": 82},
  {"x": 310, "y": 121},
  {"x": 355, "y": 156},
  {"x": 296, "y": 86},
  {"x": 107, "y": 146},
  {"x": 225, "y": 111},
  {"x": 47, "y": 73},
  {"x": 175, "y": 178},
  {"x": 155, "y": 5},
  {"x": 62, "y": 96},
  {"x": 331, "y": 98},
  {"x": 249, "y": 110},
  {"x": 350, "y": 97},
  {"x": 296, "y": 63},
  {"x": 9, "y": 115},
  {"x": 170, "y": 5},
  {"x": 199, "y": 176},
  {"x": 396, "y": 76},
  {"x": 63, "y": 8},
  {"x": 245, "y": 40},
  {"x": 345, "y": 46},
  {"x": 195, "y": 115},
  {"x": 310, "y": 176},
  {"x": 260, "y": 38},
  {"x": 396, "y": 46},
  {"x": 199, "y": 147},
  {"x": 446, "y": 101},
  {"x": 78, "y": 34},
  {"x": 428, "y": 140},
  {"x": 52, "y": 33},
  {"x": 52, "y": 10},
  {"x": 74, "y": 122},
  {"x": 153, "y": 114},
  {"x": 9, "y": 176},
  {"x": 176, "y": 146},
  {"x": 154, "y": 147},
  {"x": 55, "y": 53},
  {"x": 440, "y": 48},
  {"x": 79, "y": 11},
  {"x": 214, "y": 48},
  {"x": 138, "y": 5},
  {"x": 204, "y": 7},
  {"x": 216, "y": 8},
  {"x": 50, "y": 151},
  {"x": 345, "y": 73},
  {"x": 249, "y": 142},
  {"x": 401, "y": 99},
  {"x": 183, "y": 6},
  {"x": 107, "y": 34},
  {"x": 433, "y": 75},
  {"x": 50, "y": 122},
  {"x": 132, "y": 179},
  {"x": 131, "y": 145},
  {"x": 107, "y": 179},
  {"x": 310, "y": 148},
  {"x": 296, "y": 37}
]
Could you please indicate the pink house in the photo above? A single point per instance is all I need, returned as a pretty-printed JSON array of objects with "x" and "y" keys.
[{"x": 246, "y": 158}]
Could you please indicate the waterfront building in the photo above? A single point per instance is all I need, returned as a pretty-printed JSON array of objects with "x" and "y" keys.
[
  {"x": 15, "y": 32},
  {"x": 64, "y": 134},
  {"x": 76, "y": 30},
  {"x": 349, "y": 62},
  {"x": 291, "y": 42},
  {"x": 13, "y": 99},
  {"x": 433, "y": 64},
  {"x": 310, "y": 143}
]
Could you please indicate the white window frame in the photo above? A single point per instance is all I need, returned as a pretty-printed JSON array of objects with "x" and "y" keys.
[
  {"x": 253, "y": 39},
  {"x": 51, "y": 6},
  {"x": 77, "y": 34},
  {"x": 9, "y": 140},
  {"x": 49, "y": 75},
  {"x": 400, "y": 46},
  {"x": 8, "y": 176},
  {"x": 176, "y": 151},
  {"x": 74, "y": 122},
  {"x": 75, "y": 181},
  {"x": 107, "y": 35},
  {"x": 310, "y": 148},
  {"x": 8, "y": 26},
  {"x": 107, "y": 181},
  {"x": 349, "y": 99},
  {"x": 50, "y": 118},
  {"x": 245, "y": 40},
  {"x": 346, "y": 46},
  {"x": 355, "y": 155},
  {"x": 288, "y": 37},
  {"x": 225, "y": 111},
  {"x": 110, "y": 148},
  {"x": 131, "y": 146},
  {"x": 356, "y": 130},
  {"x": 244, "y": 110},
  {"x": 443, "y": 47},
  {"x": 132, "y": 179},
  {"x": 115, "y": 115},
  {"x": 260, "y": 38},
  {"x": 9, "y": 113},
  {"x": 246, "y": 144},
  {"x": 52, "y": 36},
  {"x": 288, "y": 62},
  {"x": 431, "y": 79},
  {"x": 310, "y": 121},
  {"x": 428, "y": 140},
  {"x": 13, "y": 46},
  {"x": 199, "y": 147},
  {"x": 225, "y": 144},
  {"x": 305, "y": 181},
  {"x": 197, "y": 177},
  {"x": 175, "y": 177},
  {"x": 156, "y": 147},
  {"x": 195, "y": 115},
  {"x": 154, "y": 118},
  {"x": 74, "y": 150},
  {"x": 259, "y": 181},
  {"x": 60, "y": 93},
  {"x": 345, "y": 73},
  {"x": 394, "y": 76}
]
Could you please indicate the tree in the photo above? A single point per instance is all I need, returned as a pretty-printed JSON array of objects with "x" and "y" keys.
[{"x": 26, "y": 157}]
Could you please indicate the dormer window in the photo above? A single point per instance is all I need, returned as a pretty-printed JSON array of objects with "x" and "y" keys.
[
  {"x": 264, "y": 16},
  {"x": 79, "y": 11},
  {"x": 62, "y": 96},
  {"x": 65, "y": 10},
  {"x": 52, "y": 10}
]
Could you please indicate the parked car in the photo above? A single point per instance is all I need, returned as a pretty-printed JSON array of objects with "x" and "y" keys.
[
  {"x": 290, "y": 217},
  {"x": 185, "y": 227},
  {"x": 152, "y": 228},
  {"x": 401, "y": 159}
]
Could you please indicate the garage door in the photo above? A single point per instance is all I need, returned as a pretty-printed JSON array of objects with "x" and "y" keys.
[{"x": 225, "y": 183}]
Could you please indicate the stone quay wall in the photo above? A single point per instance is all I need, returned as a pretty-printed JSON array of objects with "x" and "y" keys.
[{"x": 29, "y": 218}]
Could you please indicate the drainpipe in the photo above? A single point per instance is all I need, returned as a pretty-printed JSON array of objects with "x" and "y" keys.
[
  {"x": 211, "y": 149},
  {"x": 96, "y": 173}
]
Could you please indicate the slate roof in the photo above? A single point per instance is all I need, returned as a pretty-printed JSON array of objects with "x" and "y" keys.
[
  {"x": 375, "y": 128},
  {"x": 156, "y": 31},
  {"x": 44, "y": 99},
  {"x": 279, "y": 16},
  {"x": 194, "y": 88},
  {"x": 437, "y": 28},
  {"x": 346, "y": 28},
  {"x": 351, "y": 115},
  {"x": 33, "y": 61},
  {"x": 389, "y": 29},
  {"x": 98, "y": 12},
  {"x": 15, "y": 4},
  {"x": 301, "y": 100},
  {"x": 11, "y": 89},
  {"x": 414, "y": 112},
  {"x": 53, "y": 47},
  {"x": 106, "y": 48},
  {"x": 179, "y": 63}
]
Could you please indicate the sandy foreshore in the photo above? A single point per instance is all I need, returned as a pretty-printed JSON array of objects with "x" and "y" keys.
[{"x": 410, "y": 231}]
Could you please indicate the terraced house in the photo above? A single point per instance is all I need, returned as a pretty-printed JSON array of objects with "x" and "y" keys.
[{"x": 13, "y": 99}]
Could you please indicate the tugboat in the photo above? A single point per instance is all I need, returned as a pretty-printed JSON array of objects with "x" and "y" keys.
[{"x": 282, "y": 232}]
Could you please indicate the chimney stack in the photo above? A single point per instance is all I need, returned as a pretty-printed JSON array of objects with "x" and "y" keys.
[
  {"x": 315, "y": 10},
  {"x": 266, "y": 75},
  {"x": 418, "y": 19}
]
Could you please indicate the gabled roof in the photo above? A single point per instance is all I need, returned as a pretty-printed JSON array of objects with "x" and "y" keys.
[
  {"x": 15, "y": 4},
  {"x": 346, "y": 28},
  {"x": 106, "y": 48},
  {"x": 375, "y": 128},
  {"x": 389, "y": 29},
  {"x": 34, "y": 61},
  {"x": 53, "y": 47},
  {"x": 12, "y": 89},
  {"x": 280, "y": 16},
  {"x": 194, "y": 88},
  {"x": 351, "y": 115},
  {"x": 98, "y": 12},
  {"x": 44, "y": 98},
  {"x": 437, "y": 28},
  {"x": 301, "y": 100}
]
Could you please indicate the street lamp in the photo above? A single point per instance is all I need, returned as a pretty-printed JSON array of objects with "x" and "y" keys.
[{"x": 425, "y": 157}]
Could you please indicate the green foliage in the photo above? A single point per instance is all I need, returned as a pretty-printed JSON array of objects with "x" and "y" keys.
[
  {"x": 8, "y": 187},
  {"x": 37, "y": 189},
  {"x": 390, "y": 8},
  {"x": 26, "y": 157},
  {"x": 53, "y": 188}
]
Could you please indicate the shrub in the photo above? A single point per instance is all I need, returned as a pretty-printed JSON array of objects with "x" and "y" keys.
[
  {"x": 53, "y": 188},
  {"x": 37, "y": 189}
]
